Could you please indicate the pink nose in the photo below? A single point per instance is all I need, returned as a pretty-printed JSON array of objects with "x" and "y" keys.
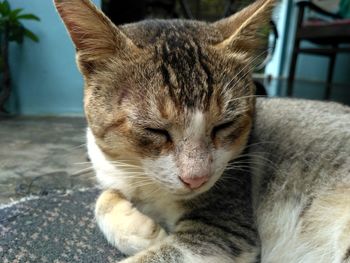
[{"x": 195, "y": 182}]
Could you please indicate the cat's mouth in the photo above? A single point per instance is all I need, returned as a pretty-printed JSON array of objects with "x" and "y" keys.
[
  {"x": 194, "y": 183},
  {"x": 188, "y": 192}
]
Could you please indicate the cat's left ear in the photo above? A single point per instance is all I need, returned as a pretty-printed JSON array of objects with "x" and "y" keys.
[
  {"x": 94, "y": 35},
  {"x": 240, "y": 31}
]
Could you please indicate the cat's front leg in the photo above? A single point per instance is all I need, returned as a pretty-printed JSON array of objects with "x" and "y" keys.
[
  {"x": 124, "y": 226},
  {"x": 199, "y": 246},
  {"x": 167, "y": 253}
]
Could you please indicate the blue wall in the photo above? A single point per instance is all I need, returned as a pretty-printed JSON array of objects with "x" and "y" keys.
[{"x": 45, "y": 77}]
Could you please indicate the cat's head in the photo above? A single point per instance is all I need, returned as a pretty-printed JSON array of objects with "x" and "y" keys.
[{"x": 166, "y": 100}]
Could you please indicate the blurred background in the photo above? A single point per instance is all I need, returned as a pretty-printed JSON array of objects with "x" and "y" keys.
[
  {"x": 41, "y": 90},
  {"x": 45, "y": 81}
]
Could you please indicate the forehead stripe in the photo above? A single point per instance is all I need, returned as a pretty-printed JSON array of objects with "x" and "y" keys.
[
  {"x": 185, "y": 71},
  {"x": 196, "y": 126}
]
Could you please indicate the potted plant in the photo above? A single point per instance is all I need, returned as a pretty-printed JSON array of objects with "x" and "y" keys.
[{"x": 11, "y": 30}]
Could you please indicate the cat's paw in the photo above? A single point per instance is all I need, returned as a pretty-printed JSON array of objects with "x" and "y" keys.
[{"x": 124, "y": 226}]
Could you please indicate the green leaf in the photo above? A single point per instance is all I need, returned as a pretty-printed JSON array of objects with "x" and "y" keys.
[
  {"x": 31, "y": 35},
  {"x": 6, "y": 7},
  {"x": 28, "y": 17},
  {"x": 2, "y": 23},
  {"x": 10, "y": 22},
  {"x": 3, "y": 10},
  {"x": 1, "y": 64},
  {"x": 15, "y": 12},
  {"x": 16, "y": 33}
]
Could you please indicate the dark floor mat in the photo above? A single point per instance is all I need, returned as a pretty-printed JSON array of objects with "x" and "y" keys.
[{"x": 54, "y": 228}]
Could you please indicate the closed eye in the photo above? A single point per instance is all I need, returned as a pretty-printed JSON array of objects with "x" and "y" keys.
[
  {"x": 159, "y": 132},
  {"x": 221, "y": 127}
]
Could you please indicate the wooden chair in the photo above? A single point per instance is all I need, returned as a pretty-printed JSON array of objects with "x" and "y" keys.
[{"x": 328, "y": 35}]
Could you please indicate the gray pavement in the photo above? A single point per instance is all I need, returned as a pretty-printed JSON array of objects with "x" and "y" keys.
[
  {"x": 40, "y": 155},
  {"x": 43, "y": 163},
  {"x": 55, "y": 228}
]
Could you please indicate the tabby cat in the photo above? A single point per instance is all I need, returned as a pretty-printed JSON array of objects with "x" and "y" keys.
[{"x": 193, "y": 167}]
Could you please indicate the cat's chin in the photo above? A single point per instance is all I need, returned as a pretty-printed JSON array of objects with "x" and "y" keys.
[{"x": 187, "y": 193}]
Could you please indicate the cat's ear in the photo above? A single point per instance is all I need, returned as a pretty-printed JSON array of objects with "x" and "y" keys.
[
  {"x": 93, "y": 34},
  {"x": 240, "y": 31}
]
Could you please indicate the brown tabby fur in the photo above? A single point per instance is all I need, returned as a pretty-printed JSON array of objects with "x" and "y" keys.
[{"x": 172, "y": 99}]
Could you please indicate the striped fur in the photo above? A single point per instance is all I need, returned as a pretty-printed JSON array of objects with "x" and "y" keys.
[
  {"x": 302, "y": 189},
  {"x": 167, "y": 100}
]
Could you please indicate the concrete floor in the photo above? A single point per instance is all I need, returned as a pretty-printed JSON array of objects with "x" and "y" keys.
[{"x": 41, "y": 155}]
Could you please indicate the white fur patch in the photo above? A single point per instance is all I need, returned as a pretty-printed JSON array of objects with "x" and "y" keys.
[
  {"x": 196, "y": 127},
  {"x": 321, "y": 235},
  {"x": 164, "y": 169},
  {"x": 108, "y": 175}
]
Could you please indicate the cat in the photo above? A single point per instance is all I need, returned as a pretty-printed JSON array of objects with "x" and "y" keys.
[{"x": 194, "y": 168}]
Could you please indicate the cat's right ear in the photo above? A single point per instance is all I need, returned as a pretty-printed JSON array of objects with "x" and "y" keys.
[
  {"x": 94, "y": 35},
  {"x": 241, "y": 30}
]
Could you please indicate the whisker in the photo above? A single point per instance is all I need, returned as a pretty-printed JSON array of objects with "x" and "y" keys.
[
  {"x": 244, "y": 68},
  {"x": 259, "y": 143},
  {"x": 77, "y": 147},
  {"x": 245, "y": 97},
  {"x": 85, "y": 169},
  {"x": 83, "y": 163}
]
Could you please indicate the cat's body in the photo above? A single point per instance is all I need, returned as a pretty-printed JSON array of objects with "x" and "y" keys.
[
  {"x": 300, "y": 185},
  {"x": 301, "y": 192},
  {"x": 218, "y": 224},
  {"x": 194, "y": 169}
]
